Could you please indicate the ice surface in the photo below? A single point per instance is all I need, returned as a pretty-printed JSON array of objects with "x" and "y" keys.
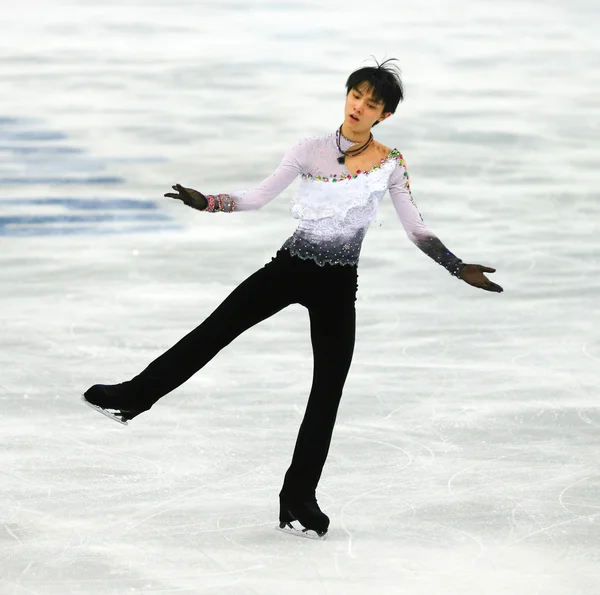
[{"x": 465, "y": 460}]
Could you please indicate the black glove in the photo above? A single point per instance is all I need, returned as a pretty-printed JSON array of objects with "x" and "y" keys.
[
  {"x": 473, "y": 275},
  {"x": 192, "y": 198}
]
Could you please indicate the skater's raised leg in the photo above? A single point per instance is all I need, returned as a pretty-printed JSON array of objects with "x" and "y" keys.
[{"x": 261, "y": 295}]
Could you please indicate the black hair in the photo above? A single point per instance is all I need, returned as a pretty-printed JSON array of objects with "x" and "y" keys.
[{"x": 385, "y": 84}]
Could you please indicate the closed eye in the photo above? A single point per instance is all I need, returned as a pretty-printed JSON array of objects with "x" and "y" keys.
[{"x": 357, "y": 97}]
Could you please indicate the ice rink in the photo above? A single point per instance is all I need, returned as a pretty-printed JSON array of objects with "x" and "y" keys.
[{"x": 466, "y": 457}]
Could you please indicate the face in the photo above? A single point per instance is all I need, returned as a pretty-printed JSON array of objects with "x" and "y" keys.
[{"x": 360, "y": 102}]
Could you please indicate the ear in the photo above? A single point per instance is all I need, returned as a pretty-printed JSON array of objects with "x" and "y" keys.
[{"x": 383, "y": 117}]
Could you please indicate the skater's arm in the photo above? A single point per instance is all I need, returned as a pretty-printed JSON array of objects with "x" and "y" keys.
[
  {"x": 256, "y": 198},
  {"x": 416, "y": 229}
]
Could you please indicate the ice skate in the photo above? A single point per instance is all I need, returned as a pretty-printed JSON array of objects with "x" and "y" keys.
[
  {"x": 114, "y": 401},
  {"x": 302, "y": 518}
]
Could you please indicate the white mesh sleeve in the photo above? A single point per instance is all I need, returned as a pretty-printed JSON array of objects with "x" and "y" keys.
[
  {"x": 290, "y": 166},
  {"x": 412, "y": 221},
  {"x": 399, "y": 188}
]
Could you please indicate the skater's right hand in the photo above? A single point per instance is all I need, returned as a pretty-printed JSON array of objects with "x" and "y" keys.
[{"x": 192, "y": 198}]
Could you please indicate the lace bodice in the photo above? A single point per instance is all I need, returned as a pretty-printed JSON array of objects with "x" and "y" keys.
[{"x": 335, "y": 207}]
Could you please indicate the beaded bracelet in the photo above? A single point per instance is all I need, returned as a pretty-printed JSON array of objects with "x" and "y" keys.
[{"x": 220, "y": 203}]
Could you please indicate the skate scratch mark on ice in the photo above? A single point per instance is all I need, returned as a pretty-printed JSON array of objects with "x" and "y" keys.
[
  {"x": 224, "y": 572},
  {"x": 17, "y": 584},
  {"x": 19, "y": 587},
  {"x": 559, "y": 476},
  {"x": 228, "y": 573},
  {"x": 561, "y": 498},
  {"x": 424, "y": 447},
  {"x": 544, "y": 529},
  {"x": 480, "y": 543},
  {"x": 216, "y": 588},
  {"x": 438, "y": 389},
  {"x": 337, "y": 565},
  {"x": 342, "y": 511},
  {"x": 471, "y": 467},
  {"x": 409, "y": 508},
  {"x": 19, "y": 509},
  {"x": 387, "y": 328},
  {"x": 529, "y": 367},
  {"x": 223, "y": 532},
  {"x": 28, "y": 482},
  {"x": 584, "y": 418},
  {"x": 183, "y": 495},
  {"x": 122, "y": 455},
  {"x": 518, "y": 505},
  {"x": 586, "y": 352},
  {"x": 12, "y": 534},
  {"x": 16, "y": 587},
  {"x": 583, "y": 390},
  {"x": 406, "y": 438},
  {"x": 513, "y": 518},
  {"x": 222, "y": 529},
  {"x": 170, "y": 577},
  {"x": 541, "y": 528}
]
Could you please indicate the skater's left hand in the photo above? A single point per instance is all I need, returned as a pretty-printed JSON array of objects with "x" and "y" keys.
[{"x": 473, "y": 275}]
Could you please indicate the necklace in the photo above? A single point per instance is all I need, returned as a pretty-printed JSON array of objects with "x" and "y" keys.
[{"x": 350, "y": 152}]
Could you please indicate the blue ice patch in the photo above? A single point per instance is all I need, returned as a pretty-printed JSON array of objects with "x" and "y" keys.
[{"x": 25, "y": 147}]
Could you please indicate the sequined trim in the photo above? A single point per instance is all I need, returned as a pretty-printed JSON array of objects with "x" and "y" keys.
[
  {"x": 320, "y": 262},
  {"x": 394, "y": 154},
  {"x": 407, "y": 186},
  {"x": 326, "y": 250}
]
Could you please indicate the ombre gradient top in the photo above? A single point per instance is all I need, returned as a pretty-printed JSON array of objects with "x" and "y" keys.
[{"x": 335, "y": 207}]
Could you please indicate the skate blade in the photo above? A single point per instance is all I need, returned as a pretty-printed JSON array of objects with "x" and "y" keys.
[
  {"x": 106, "y": 412},
  {"x": 300, "y": 531}
]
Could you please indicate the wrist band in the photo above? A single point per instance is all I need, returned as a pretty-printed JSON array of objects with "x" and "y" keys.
[{"x": 220, "y": 203}]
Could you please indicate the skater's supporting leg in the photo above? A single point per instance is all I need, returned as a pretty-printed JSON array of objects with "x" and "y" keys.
[{"x": 332, "y": 326}]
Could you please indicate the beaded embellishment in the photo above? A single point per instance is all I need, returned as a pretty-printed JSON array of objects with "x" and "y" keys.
[
  {"x": 220, "y": 203},
  {"x": 394, "y": 154}
]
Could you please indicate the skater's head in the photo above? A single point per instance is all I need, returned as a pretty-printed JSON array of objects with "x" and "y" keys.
[{"x": 372, "y": 95}]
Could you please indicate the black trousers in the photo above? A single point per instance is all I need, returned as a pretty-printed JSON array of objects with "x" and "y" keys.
[{"x": 329, "y": 294}]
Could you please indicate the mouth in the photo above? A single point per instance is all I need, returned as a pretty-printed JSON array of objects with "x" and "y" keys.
[{"x": 353, "y": 118}]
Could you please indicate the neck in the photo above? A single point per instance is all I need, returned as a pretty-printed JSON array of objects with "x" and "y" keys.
[{"x": 356, "y": 137}]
